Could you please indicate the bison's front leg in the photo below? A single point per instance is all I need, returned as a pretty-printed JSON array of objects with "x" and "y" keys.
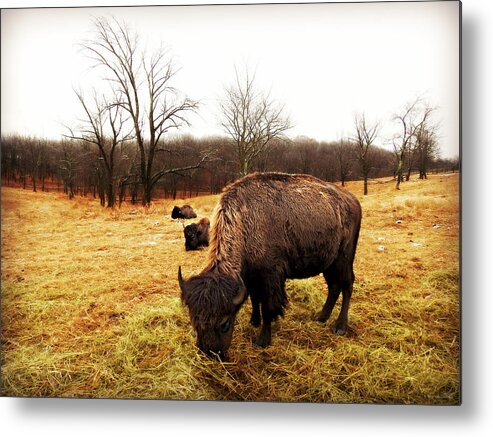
[
  {"x": 273, "y": 302},
  {"x": 265, "y": 335},
  {"x": 253, "y": 287},
  {"x": 255, "y": 320},
  {"x": 272, "y": 307}
]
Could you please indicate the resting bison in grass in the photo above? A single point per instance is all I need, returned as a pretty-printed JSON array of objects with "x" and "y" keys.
[
  {"x": 185, "y": 212},
  {"x": 197, "y": 234},
  {"x": 266, "y": 228}
]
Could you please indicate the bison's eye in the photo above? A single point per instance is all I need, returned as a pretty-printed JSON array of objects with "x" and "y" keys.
[{"x": 224, "y": 326}]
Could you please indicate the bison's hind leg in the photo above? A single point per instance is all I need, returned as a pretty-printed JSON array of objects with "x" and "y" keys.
[
  {"x": 339, "y": 277},
  {"x": 346, "y": 279},
  {"x": 340, "y": 327},
  {"x": 330, "y": 276}
]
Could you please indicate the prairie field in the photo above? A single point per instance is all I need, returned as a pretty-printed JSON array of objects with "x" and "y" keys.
[{"x": 91, "y": 306}]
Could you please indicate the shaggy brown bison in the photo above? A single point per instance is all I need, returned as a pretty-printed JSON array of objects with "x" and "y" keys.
[
  {"x": 185, "y": 212},
  {"x": 197, "y": 234},
  {"x": 266, "y": 228}
]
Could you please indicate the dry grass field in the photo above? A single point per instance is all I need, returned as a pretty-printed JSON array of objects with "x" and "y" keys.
[{"x": 91, "y": 307}]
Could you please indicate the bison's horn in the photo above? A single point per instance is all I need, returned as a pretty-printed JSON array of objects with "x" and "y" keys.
[
  {"x": 240, "y": 297},
  {"x": 180, "y": 280}
]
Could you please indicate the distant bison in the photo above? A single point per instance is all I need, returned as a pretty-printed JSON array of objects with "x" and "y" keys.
[
  {"x": 197, "y": 234},
  {"x": 185, "y": 212},
  {"x": 266, "y": 228}
]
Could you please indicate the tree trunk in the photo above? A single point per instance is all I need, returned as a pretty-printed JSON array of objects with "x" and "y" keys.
[
  {"x": 147, "y": 194},
  {"x": 111, "y": 194},
  {"x": 399, "y": 175},
  {"x": 134, "y": 192},
  {"x": 408, "y": 175},
  {"x": 244, "y": 166},
  {"x": 121, "y": 194},
  {"x": 102, "y": 197}
]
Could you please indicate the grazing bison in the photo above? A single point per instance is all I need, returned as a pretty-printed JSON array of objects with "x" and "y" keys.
[
  {"x": 197, "y": 234},
  {"x": 266, "y": 228},
  {"x": 185, "y": 212}
]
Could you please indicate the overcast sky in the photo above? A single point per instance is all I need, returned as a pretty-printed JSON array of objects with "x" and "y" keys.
[{"x": 324, "y": 62}]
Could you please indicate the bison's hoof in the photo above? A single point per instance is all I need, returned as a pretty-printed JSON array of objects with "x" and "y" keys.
[
  {"x": 340, "y": 329},
  {"x": 255, "y": 321},
  {"x": 321, "y": 317},
  {"x": 262, "y": 341}
]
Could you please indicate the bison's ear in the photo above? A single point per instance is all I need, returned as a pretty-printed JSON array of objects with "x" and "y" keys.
[
  {"x": 181, "y": 282},
  {"x": 242, "y": 292}
]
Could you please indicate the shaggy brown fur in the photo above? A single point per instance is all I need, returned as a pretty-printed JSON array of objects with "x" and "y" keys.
[
  {"x": 197, "y": 234},
  {"x": 185, "y": 212},
  {"x": 269, "y": 227}
]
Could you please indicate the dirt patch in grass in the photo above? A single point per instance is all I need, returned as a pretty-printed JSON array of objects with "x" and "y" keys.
[{"x": 91, "y": 308}]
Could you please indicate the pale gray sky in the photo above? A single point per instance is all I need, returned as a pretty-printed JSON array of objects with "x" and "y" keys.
[{"x": 324, "y": 62}]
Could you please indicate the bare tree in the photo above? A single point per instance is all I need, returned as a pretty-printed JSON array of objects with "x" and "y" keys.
[
  {"x": 103, "y": 126},
  {"x": 143, "y": 82},
  {"x": 426, "y": 148},
  {"x": 410, "y": 159},
  {"x": 343, "y": 151},
  {"x": 68, "y": 164},
  {"x": 251, "y": 119},
  {"x": 413, "y": 116},
  {"x": 364, "y": 139},
  {"x": 35, "y": 156}
]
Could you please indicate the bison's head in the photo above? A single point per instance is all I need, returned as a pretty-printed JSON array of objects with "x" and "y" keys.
[
  {"x": 192, "y": 233},
  {"x": 213, "y": 300},
  {"x": 176, "y": 213}
]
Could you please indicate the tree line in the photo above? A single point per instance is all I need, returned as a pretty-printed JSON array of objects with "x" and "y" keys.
[{"x": 77, "y": 168}]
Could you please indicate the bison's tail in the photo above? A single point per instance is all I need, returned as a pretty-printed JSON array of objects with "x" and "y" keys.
[{"x": 356, "y": 237}]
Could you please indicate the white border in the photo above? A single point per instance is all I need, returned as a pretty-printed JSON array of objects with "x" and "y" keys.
[{"x": 55, "y": 417}]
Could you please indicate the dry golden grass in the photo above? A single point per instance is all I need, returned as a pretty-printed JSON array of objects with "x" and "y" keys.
[{"x": 91, "y": 307}]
